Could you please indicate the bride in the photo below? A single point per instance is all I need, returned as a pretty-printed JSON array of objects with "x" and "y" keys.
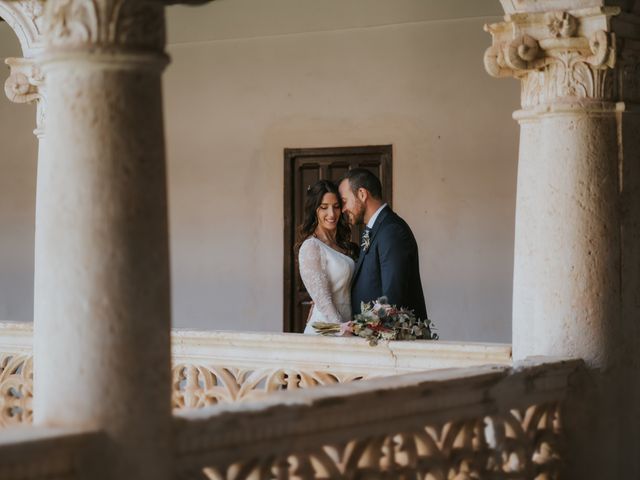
[{"x": 325, "y": 256}]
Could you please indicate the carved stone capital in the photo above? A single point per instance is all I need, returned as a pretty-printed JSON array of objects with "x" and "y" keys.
[
  {"x": 107, "y": 25},
  {"x": 561, "y": 57}
]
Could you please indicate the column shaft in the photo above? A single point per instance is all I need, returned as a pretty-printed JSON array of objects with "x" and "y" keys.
[
  {"x": 566, "y": 298},
  {"x": 102, "y": 283}
]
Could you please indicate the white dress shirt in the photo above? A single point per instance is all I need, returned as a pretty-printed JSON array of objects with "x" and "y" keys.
[{"x": 374, "y": 217}]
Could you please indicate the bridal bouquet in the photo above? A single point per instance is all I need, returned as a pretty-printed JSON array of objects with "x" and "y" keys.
[{"x": 381, "y": 321}]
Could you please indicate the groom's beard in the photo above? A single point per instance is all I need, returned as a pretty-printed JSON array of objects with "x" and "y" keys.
[{"x": 357, "y": 217}]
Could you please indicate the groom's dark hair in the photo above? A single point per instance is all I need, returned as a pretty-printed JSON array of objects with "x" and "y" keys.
[{"x": 363, "y": 178}]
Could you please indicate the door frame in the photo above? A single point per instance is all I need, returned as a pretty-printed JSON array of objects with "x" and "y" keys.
[{"x": 290, "y": 156}]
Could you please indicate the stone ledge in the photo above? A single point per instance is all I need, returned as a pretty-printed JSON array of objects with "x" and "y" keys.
[{"x": 266, "y": 349}]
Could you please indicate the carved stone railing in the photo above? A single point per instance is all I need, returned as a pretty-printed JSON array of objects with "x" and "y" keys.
[
  {"x": 490, "y": 422},
  {"x": 224, "y": 367},
  {"x": 483, "y": 422}
]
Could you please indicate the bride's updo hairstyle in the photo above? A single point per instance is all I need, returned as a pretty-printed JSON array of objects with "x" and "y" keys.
[{"x": 315, "y": 193}]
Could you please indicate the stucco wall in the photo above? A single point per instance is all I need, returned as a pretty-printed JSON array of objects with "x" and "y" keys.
[
  {"x": 246, "y": 82},
  {"x": 18, "y": 153}
]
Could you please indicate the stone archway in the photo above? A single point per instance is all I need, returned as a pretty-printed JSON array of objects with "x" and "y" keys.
[{"x": 25, "y": 19}]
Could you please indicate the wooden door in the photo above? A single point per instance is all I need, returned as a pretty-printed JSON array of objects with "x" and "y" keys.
[{"x": 302, "y": 168}]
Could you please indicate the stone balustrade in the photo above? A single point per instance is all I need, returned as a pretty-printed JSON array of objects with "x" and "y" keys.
[
  {"x": 224, "y": 367},
  {"x": 491, "y": 421},
  {"x": 479, "y": 422}
]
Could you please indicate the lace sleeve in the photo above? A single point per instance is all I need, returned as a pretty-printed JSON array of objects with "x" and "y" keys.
[{"x": 315, "y": 279}]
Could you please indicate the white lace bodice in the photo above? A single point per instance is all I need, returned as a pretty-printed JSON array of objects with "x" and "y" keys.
[{"x": 326, "y": 274}]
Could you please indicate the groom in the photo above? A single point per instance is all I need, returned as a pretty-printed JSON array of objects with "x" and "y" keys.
[{"x": 388, "y": 262}]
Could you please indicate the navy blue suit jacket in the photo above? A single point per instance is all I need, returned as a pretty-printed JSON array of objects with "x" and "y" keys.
[{"x": 389, "y": 267}]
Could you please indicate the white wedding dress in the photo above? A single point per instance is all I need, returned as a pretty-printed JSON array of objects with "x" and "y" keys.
[{"x": 326, "y": 274}]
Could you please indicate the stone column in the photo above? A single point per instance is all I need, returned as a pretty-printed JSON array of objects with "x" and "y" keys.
[
  {"x": 102, "y": 283},
  {"x": 575, "y": 248},
  {"x": 567, "y": 245}
]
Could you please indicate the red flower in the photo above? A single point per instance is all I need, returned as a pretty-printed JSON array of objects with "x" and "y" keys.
[{"x": 379, "y": 327}]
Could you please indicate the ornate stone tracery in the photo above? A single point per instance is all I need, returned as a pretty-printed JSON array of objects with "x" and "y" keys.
[
  {"x": 462, "y": 449},
  {"x": 16, "y": 389},
  {"x": 197, "y": 386},
  {"x": 193, "y": 386},
  {"x": 526, "y": 443}
]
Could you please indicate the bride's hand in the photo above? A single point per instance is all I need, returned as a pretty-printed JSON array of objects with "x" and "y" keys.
[{"x": 345, "y": 330}]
